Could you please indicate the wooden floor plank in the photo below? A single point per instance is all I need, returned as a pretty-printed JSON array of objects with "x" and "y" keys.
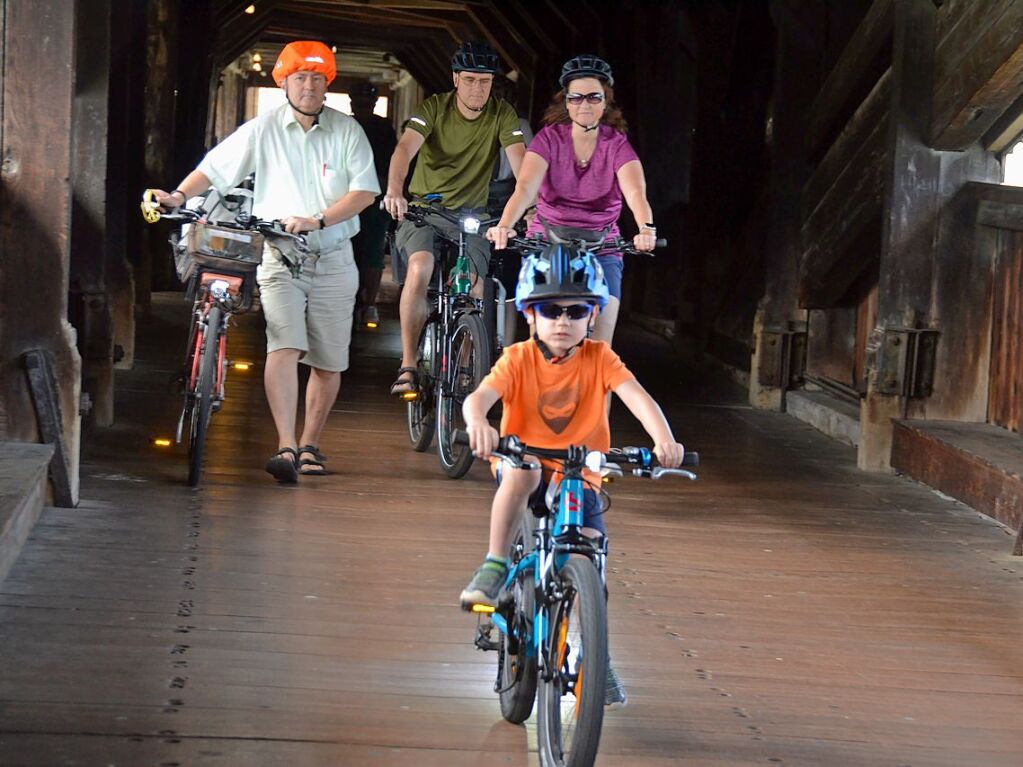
[{"x": 784, "y": 610}]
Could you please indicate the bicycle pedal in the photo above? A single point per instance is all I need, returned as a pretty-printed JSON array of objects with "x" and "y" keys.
[{"x": 483, "y": 640}]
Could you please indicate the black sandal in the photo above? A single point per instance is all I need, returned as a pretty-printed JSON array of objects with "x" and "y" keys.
[
  {"x": 412, "y": 383},
  {"x": 318, "y": 460},
  {"x": 282, "y": 468}
]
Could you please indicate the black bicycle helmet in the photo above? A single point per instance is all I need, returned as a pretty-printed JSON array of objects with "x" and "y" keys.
[
  {"x": 560, "y": 271},
  {"x": 365, "y": 89},
  {"x": 585, "y": 65},
  {"x": 475, "y": 56}
]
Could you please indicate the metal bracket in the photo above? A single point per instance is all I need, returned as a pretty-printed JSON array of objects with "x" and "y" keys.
[
  {"x": 782, "y": 355},
  {"x": 905, "y": 362}
]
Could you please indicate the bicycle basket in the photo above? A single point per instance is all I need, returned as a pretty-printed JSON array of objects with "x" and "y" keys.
[{"x": 217, "y": 247}]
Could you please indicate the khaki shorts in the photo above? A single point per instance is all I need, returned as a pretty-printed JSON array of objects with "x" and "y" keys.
[
  {"x": 311, "y": 312},
  {"x": 411, "y": 239}
]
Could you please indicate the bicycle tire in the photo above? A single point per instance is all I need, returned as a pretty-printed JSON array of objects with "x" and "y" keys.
[
  {"x": 569, "y": 720},
  {"x": 516, "y": 669},
  {"x": 422, "y": 411},
  {"x": 202, "y": 406},
  {"x": 468, "y": 362}
]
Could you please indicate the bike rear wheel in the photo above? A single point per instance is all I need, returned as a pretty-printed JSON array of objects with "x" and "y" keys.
[
  {"x": 571, "y": 702},
  {"x": 422, "y": 411},
  {"x": 202, "y": 404},
  {"x": 468, "y": 362},
  {"x": 516, "y": 665}
]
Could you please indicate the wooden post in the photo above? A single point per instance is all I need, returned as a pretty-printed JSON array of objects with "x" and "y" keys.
[
  {"x": 35, "y": 211},
  {"x": 90, "y": 305},
  {"x": 779, "y": 308},
  {"x": 911, "y": 206}
]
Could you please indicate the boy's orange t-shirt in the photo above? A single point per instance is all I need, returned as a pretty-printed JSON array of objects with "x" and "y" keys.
[{"x": 555, "y": 406}]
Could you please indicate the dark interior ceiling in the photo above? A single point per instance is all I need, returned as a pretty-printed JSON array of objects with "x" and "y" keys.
[{"x": 420, "y": 35}]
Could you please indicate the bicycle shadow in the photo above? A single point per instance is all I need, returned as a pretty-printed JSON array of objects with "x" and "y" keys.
[{"x": 508, "y": 744}]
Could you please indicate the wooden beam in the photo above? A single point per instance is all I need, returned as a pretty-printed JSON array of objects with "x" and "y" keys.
[
  {"x": 981, "y": 79},
  {"x": 871, "y": 116},
  {"x": 842, "y": 201},
  {"x": 998, "y": 206},
  {"x": 865, "y": 58}
]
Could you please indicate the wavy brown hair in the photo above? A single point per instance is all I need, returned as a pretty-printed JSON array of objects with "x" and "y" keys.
[{"x": 557, "y": 111}]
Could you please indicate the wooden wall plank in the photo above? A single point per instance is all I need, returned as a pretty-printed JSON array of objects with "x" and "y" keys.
[
  {"x": 978, "y": 77},
  {"x": 865, "y": 58}
]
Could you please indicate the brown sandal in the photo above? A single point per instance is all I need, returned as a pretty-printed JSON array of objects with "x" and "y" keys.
[
  {"x": 284, "y": 469},
  {"x": 316, "y": 462},
  {"x": 412, "y": 383}
]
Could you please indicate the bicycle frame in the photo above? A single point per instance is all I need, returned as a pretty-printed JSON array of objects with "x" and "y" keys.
[{"x": 551, "y": 550}]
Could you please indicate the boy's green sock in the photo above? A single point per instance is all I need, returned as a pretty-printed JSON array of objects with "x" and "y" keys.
[{"x": 495, "y": 563}]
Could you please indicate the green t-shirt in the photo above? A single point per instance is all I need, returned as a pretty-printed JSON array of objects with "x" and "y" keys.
[{"x": 458, "y": 156}]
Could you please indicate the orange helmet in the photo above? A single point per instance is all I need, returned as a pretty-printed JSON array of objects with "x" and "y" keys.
[{"x": 305, "y": 56}]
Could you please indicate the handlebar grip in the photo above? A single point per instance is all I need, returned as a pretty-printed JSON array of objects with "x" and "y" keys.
[
  {"x": 661, "y": 243},
  {"x": 691, "y": 459}
]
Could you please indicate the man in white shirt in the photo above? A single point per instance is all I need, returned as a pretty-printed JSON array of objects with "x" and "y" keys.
[{"x": 314, "y": 172}]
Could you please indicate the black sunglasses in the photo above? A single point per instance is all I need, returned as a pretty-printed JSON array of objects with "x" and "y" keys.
[
  {"x": 579, "y": 98},
  {"x": 574, "y": 312}
]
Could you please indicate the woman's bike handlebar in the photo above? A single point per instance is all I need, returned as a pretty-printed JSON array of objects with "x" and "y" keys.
[
  {"x": 618, "y": 244},
  {"x": 513, "y": 450}
]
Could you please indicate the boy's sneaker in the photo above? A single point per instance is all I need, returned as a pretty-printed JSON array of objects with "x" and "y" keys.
[
  {"x": 370, "y": 316},
  {"x": 485, "y": 585},
  {"x": 614, "y": 692}
]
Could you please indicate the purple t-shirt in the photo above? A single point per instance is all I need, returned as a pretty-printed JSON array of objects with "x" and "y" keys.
[{"x": 587, "y": 198}]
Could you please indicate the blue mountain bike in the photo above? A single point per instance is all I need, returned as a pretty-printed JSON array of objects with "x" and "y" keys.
[{"x": 551, "y": 617}]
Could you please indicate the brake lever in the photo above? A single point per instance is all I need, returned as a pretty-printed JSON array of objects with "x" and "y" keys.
[
  {"x": 658, "y": 471},
  {"x": 611, "y": 470}
]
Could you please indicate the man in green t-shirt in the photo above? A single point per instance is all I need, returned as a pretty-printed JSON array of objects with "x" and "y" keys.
[{"x": 457, "y": 136}]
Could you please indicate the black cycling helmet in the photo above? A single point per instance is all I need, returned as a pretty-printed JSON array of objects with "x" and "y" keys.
[
  {"x": 585, "y": 65},
  {"x": 475, "y": 56},
  {"x": 365, "y": 90}
]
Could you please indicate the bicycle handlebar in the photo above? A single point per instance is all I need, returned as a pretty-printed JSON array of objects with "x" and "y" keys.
[
  {"x": 513, "y": 450},
  {"x": 619, "y": 244},
  {"x": 152, "y": 213},
  {"x": 432, "y": 205}
]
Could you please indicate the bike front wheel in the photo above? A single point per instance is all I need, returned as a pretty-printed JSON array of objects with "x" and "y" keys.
[
  {"x": 571, "y": 701},
  {"x": 468, "y": 361},
  {"x": 516, "y": 661},
  {"x": 202, "y": 404},
  {"x": 422, "y": 411}
]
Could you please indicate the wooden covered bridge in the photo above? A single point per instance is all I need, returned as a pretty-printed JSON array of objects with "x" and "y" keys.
[{"x": 835, "y": 326}]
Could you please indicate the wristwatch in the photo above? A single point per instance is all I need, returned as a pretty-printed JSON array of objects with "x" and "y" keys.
[{"x": 319, "y": 217}]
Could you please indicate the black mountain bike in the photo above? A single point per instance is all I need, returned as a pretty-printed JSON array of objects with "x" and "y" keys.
[{"x": 454, "y": 352}]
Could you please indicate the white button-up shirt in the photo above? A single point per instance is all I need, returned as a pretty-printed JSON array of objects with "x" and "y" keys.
[{"x": 298, "y": 172}]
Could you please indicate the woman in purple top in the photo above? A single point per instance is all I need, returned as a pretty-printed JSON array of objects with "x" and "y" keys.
[{"x": 583, "y": 166}]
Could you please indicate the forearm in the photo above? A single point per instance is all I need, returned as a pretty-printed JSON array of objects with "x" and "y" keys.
[
  {"x": 516, "y": 206},
  {"x": 397, "y": 171},
  {"x": 194, "y": 184},
  {"x": 477, "y": 405},
  {"x": 350, "y": 205},
  {"x": 646, "y": 411},
  {"x": 640, "y": 208}
]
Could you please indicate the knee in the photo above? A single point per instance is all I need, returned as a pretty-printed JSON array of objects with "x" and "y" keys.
[{"x": 420, "y": 267}]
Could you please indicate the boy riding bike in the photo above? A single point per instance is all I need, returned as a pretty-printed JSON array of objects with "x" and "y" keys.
[{"x": 554, "y": 390}]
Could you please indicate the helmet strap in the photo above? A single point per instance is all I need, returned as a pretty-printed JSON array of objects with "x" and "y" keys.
[
  {"x": 550, "y": 356},
  {"x": 471, "y": 109},
  {"x": 301, "y": 112}
]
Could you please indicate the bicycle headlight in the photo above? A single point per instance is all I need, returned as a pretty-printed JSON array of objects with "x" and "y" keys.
[
  {"x": 594, "y": 461},
  {"x": 470, "y": 225}
]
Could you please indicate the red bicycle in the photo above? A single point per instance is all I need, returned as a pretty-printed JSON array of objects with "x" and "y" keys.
[{"x": 217, "y": 262}]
